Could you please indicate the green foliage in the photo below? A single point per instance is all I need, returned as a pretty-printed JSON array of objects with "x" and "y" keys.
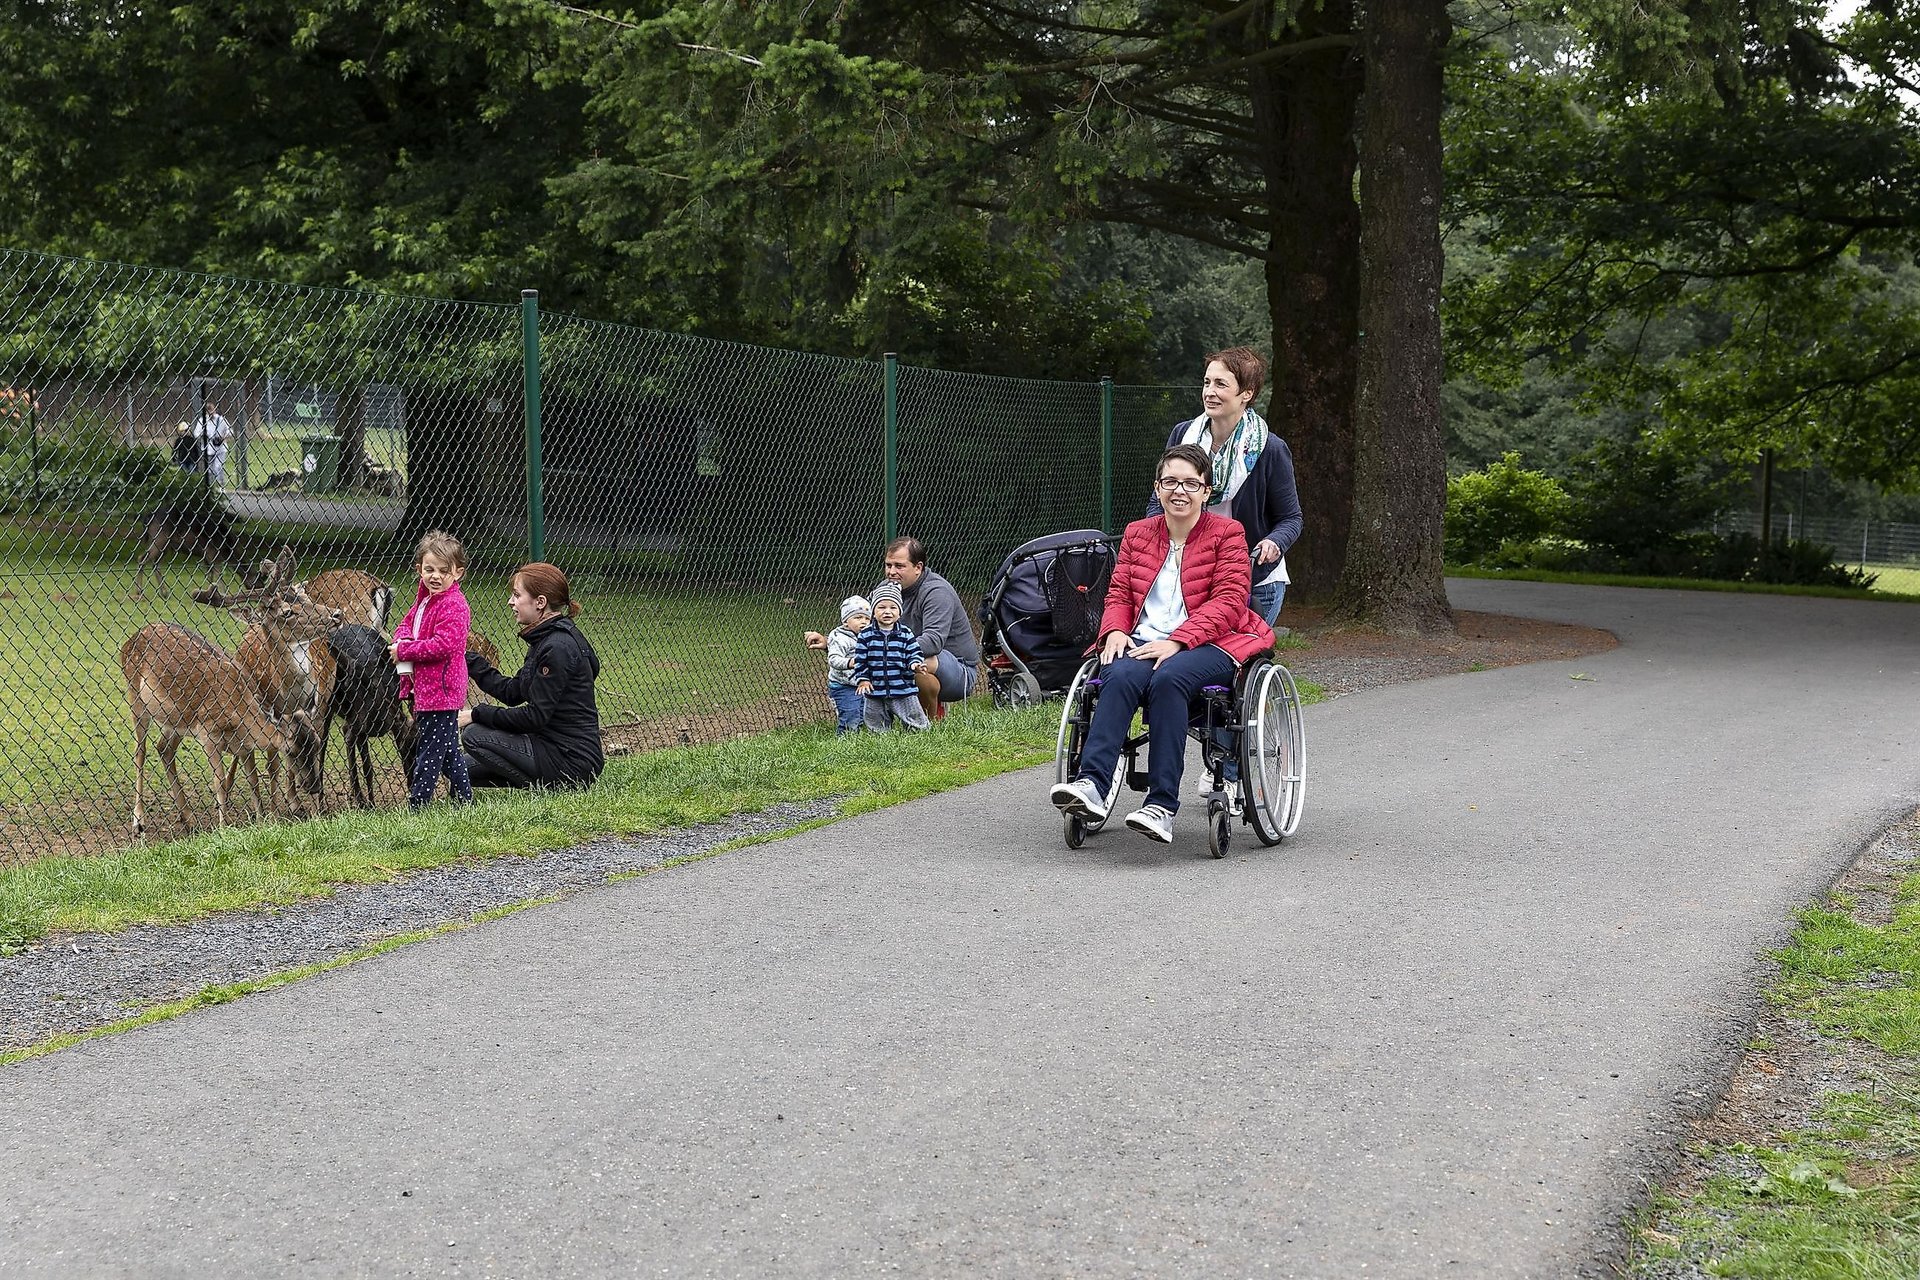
[
  {"x": 88, "y": 469},
  {"x": 1502, "y": 505},
  {"x": 1707, "y": 221},
  {"x": 1641, "y": 501}
]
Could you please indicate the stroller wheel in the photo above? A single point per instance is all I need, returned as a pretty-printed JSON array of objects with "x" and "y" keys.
[{"x": 1023, "y": 691}]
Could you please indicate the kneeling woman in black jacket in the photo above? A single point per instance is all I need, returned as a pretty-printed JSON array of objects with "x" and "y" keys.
[{"x": 548, "y": 734}]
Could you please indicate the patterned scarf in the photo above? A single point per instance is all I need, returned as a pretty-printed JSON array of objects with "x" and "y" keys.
[{"x": 1233, "y": 458}]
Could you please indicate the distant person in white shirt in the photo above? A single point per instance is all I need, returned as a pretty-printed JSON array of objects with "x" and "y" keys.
[{"x": 214, "y": 433}]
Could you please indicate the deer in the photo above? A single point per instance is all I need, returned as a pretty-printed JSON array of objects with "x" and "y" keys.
[
  {"x": 205, "y": 532},
  {"x": 353, "y": 595},
  {"x": 358, "y": 595},
  {"x": 366, "y": 698},
  {"x": 283, "y": 650},
  {"x": 181, "y": 682}
]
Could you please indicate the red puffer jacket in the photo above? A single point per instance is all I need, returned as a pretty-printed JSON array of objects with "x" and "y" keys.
[{"x": 1215, "y": 577}]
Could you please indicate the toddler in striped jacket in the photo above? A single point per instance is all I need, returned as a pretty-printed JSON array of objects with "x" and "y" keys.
[{"x": 885, "y": 656}]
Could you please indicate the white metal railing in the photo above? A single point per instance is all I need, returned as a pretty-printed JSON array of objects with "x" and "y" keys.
[{"x": 1853, "y": 538}]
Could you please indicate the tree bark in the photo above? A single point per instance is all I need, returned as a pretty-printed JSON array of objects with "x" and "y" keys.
[
  {"x": 1393, "y": 577},
  {"x": 1303, "y": 112},
  {"x": 351, "y": 420}
]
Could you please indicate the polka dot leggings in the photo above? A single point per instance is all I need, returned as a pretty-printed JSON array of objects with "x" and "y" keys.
[{"x": 439, "y": 753}]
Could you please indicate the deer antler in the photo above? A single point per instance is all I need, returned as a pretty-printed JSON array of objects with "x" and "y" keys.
[
  {"x": 283, "y": 570},
  {"x": 277, "y": 572}
]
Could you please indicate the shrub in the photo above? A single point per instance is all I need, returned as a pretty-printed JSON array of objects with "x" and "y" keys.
[
  {"x": 1643, "y": 503},
  {"x": 86, "y": 466},
  {"x": 1503, "y": 504}
]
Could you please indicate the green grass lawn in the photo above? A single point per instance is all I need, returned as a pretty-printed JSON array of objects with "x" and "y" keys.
[
  {"x": 1894, "y": 578},
  {"x": 278, "y": 448}
]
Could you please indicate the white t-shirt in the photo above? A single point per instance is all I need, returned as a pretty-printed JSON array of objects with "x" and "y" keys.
[{"x": 1165, "y": 608}]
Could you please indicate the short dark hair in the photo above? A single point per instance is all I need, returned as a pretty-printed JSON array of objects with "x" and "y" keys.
[
  {"x": 1248, "y": 367},
  {"x": 1191, "y": 454},
  {"x": 916, "y": 554}
]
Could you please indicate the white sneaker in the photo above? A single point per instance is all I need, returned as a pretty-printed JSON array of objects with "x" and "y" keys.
[
  {"x": 1080, "y": 797},
  {"x": 1152, "y": 821}
]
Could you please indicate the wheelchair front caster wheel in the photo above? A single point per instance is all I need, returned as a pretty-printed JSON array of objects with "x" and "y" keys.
[
  {"x": 1076, "y": 831},
  {"x": 1219, "y": 828}
]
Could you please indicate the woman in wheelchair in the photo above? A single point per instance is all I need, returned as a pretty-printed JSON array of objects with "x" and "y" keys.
[{"x": 1176, "y": 621}]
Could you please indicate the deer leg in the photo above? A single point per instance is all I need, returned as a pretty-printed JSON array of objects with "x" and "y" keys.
[
  {"x": 354, "y": 747},
  {"x": 233, "y": 772},
  {"x": 170, "y": 760},
  {"x": 293, "y": 809},
  {"x": 320, "y": 756},
  {"x": 220, "y": 794},
  {"x": 139, "y": 774},
  {"x": 252, "y": 771}
]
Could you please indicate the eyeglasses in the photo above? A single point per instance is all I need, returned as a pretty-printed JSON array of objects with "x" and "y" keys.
[{"x": 1168, "y": 484}]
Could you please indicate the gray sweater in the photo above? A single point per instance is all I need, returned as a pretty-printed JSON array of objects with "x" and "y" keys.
[
  {"x": 840, "y": 643},
  {"x": 931, "y": 609}
]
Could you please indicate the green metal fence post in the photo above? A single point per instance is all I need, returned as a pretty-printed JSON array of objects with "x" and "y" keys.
[
  {"x": 1106, "y": 455},
  {"x": 530, "y": 381},
  {"x": 893, "y": 445}
]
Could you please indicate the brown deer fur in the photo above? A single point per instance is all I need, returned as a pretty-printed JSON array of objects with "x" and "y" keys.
[
  {"x": 278, "y": 651},
  {"x": 178, "y": 680},
  {"x": 358, "y": 595}
]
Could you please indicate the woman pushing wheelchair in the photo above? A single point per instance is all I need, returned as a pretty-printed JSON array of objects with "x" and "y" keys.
[{"x": 1176, "y": 621}]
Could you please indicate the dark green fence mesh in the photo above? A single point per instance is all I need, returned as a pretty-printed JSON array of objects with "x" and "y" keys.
[{"x": 162, "y": 432}]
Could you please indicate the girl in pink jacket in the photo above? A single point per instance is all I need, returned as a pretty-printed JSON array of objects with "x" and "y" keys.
[{"x": 430, "y": 646}]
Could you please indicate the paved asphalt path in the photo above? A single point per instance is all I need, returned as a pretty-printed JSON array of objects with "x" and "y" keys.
[{"x": 1445, "y": 1031}]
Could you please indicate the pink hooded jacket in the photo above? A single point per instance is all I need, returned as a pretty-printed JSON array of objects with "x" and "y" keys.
[{"x": 433, "y": 637}]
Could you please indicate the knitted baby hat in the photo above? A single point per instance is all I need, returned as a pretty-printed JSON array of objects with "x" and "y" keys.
[
  {"x": 855, "y": 604},
  {"x": 887, "y": 591}
]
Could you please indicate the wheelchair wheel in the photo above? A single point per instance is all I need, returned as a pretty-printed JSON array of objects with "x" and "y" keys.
[
  {"x": 1273, "y": 754},
  {"x": 1219, "y": 828},
  {"x": 1075, "y": 719}
]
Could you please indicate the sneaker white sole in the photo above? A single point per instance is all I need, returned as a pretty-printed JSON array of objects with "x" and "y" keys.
[
  {"x": 1148, "y": 829},
  {"x": 1067, "y": 800}
]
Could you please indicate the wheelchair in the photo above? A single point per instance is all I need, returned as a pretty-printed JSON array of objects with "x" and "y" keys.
[{"x": 1255, "y": 721}]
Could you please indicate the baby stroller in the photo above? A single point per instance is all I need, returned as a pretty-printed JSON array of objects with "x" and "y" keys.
[{"x": 1042, "y": 612}]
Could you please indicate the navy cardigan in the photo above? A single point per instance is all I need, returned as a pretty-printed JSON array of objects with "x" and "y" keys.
[{"x": 1268, "y": 505}]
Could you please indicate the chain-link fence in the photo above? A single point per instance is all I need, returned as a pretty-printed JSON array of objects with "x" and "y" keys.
[{"x": 172, "y": 445}]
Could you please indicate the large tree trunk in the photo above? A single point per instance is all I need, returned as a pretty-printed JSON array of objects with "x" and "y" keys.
[
  {"x": 1303, "y": 110},
  {"x": 1393, "y": 576}
]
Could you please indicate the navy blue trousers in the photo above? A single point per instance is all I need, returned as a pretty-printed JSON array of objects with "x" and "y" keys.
[
  {"x": 1167, "y": 693},
  {"x": 439, "y": 753}
]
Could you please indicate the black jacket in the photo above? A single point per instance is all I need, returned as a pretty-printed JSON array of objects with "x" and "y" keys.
[{"x": 551, "y": 700}]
